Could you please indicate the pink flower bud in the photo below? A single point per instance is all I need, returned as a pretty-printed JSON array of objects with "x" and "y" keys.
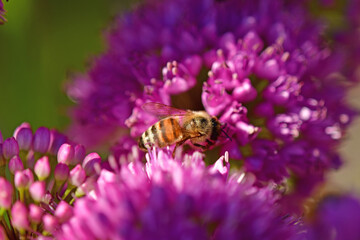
[
  {"x": 41, "y": 140},
  {"x": 15, "y": 164},
  {"x": 21, "y": 180},
  {"x": 87, "y": 186},
  {"x": 23, "y": 135},
  {"x": 77, "y": 175},
  {"x": 35, "y": 213},
  {"x": 10, "y": 148},
  {"x": 48, "y": 198},
  {"x": 37, "y": 190},
  {"x": 30, "y": 175},
  {"x": 19, "y": 216},
  {"x": 80, "y": 153},
  {"x": 61, "y": 172},
  {"x": 6, "y": 192},
  {"x": 63, "y": 212},
  {"x": 50, "y": 223},
  {"x": 91, "y": 162},
  {"x": 42, "y": 168},
  {"x": 66, "y": 154}
]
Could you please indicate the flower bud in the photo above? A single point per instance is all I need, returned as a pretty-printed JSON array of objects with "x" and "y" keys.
[
  {"x": 66, "y": 154},
  {"x": 56, "y": 140},
  {"x": 61, "y": 172},
  {"x": 21, "y": 180},
  {"x": 87, "y": 186},
  {"x": 79, "y": 155},
  {"x": 30, "y": 160},
  {"x": 15, "y": 164},
  {"x": 35, "y": 213},
  {"x": 1, "y": 138},
  {"x": 41, "y": 140},
  {"x": 37, "y": 190},
  {"x": 21, "y": 126},
  {"x": 91, "y": 162},
  {"x": 19, "y": 216},
  {"x": 6, "y": 192},
  {"x": 10, "y": 148},
  {"x": 50, "y": 223},
  {"x": 30, "y": 175},
  {"x": 42, "y": 168},
  {"x": 77, "y": 175},
  {"x": 23, "y": 135},
  {"x": 63, "y": 212},
  {"x": 48, "y": 198}
]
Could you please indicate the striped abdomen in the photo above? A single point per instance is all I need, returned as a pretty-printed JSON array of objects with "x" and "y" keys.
[{"x": 165, "y": 132}]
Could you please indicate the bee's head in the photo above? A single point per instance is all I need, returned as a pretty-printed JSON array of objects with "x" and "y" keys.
[{"x": 216, "y": 128}]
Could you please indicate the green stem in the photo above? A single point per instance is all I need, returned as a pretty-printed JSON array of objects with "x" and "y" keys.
[
  {"x": 2, "y": 169},
  {"x": 22, "y": 195},
  {"x": 68, "y": 194},
  {"x": 2, "y": 211}
]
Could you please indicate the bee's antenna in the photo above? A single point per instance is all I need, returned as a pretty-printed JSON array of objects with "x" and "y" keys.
[{"x": 222, "y": 129}]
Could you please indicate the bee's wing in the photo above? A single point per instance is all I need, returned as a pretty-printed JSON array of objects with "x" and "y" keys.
[{"x": 162, "y": 110}]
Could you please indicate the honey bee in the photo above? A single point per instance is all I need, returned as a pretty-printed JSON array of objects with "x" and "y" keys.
[{"x": 176, "y": 126}]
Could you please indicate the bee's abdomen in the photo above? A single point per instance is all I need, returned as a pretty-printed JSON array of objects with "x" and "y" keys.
[{"x": 163, "y": 133}]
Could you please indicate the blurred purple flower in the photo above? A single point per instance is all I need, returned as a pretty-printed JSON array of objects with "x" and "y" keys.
[
  {"x": 176, "y": 199},
  {"x": 40, "y": 179},
  {"x": 343, "y": 35},
  {"x": 336, "y": 217}
]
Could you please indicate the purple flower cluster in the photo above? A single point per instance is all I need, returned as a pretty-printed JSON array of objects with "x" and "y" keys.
[
  {"x": 41, "y": 174},
  {"x": 177, "y": 199},
  {"x": 262, "y": 67}
]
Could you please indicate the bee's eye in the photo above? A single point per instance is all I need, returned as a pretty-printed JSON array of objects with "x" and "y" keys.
[{"x": 203, "y": 121}]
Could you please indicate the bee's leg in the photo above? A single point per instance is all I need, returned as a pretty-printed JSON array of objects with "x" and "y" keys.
[
  {"x": 178, "y": 144},
  {"x": 200, "y": 146},
  {"x": 209, "y": 143}
]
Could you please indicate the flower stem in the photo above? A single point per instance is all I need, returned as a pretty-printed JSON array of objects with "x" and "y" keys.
[{"x": 22, "y": 195}]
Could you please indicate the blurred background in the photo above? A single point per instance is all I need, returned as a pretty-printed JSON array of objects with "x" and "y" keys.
[{"x": 44, "y": 42}]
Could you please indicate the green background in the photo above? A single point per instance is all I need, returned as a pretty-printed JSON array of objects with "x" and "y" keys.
[{"x": 41, "y": 45}]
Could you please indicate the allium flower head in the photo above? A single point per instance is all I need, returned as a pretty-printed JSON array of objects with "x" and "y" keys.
[
  {"x": 176, "y": 199},
  {"x": 37, "y": 182},
  {"x": 263, "y": 67}
]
